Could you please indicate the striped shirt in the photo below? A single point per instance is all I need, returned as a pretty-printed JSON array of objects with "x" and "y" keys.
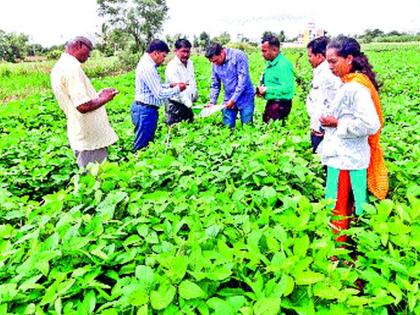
[{"x": 149, "y": 89}]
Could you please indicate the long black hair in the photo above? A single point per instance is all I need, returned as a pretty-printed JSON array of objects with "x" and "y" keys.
[{"x": 345, "y": 46}]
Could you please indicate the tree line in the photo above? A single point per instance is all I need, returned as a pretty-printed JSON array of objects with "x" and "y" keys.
[{"x": 129, "y": 25}]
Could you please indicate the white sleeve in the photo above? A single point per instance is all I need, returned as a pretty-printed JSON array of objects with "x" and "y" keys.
[
  {"x": 364, "y": 121},
  {"x": 192, "y": 89}
]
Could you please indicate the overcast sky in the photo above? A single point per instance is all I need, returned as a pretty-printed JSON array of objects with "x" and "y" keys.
[{"x": 51, "y": 22}]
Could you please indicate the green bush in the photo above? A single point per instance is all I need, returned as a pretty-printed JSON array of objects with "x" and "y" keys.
[
  {"x": 127, "y": 60},
  {"x": 54, "y": 54}
]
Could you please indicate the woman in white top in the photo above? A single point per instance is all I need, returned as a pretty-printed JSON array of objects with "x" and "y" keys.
[{"x": 349, "y": 121}]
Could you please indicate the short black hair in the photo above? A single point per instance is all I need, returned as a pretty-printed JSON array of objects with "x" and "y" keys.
[
  {"x": 214, "y": 49},
  {"x": 157, "y": 45},
  {"x": 318, "y": 45},
  {"x": 182, "y": 43},
  {"x": 271, "y": 39}
]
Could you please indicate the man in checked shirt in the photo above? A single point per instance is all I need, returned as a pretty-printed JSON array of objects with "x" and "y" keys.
[{"x": 230, "y": 68}]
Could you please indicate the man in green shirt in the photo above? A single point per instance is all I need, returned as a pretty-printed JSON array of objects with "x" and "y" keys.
[{"x": 277, "y": 84}]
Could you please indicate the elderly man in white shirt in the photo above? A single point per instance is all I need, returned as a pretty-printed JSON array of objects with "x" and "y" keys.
[
  {"x": 181, "y": 69},
  {"x": 324, "y": 86},
  {"x": 88, "y": 129}
]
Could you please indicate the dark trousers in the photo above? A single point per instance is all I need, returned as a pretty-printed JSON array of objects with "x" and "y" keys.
[
  {"x": 144, "y": 118},
  {"x": 315, "y": 141},
  {"x": 277, "y": 109},
  {"x": 177, "y": 112}
]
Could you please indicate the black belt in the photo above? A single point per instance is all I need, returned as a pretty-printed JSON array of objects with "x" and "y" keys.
[
  {"x": 279, "y": 101},
  {"x": 145, "y": 105}
]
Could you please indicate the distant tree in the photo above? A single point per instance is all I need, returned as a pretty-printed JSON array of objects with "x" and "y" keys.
[
  {"x": 170, "y": 40},
  {"x": 35, "y": 50},
  {"x": 141, "y": 19},
  {"x": 281, "y": 36},
  {"x": 376, "y": 33},
  {"x": 111, "y": 41},
  {"x": 204, "y": 39},
  {"x": 13, "y": 46},
  {"x": 241, "y": 38},
  {"x": 196, "y": 42},
  {"x": 267, "y": 33},
  {"x": 395, "y": 33},
  {"x": 55, "y": 47},
  {"x": 369, "y": 35},
  {"x": 222, "y": 39}
]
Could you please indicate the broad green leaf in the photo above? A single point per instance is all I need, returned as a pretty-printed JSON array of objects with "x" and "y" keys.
[
  {"x": 219, "y": 273},
  {"x": 137, "y": 294},
  {"x": 395, "y": 291},
  {"x": 357, "y": 301},
  {"x": 267, "y": 306},
  {"x": 58, "y": 306},
  {"x": 146, "y": 275},
  {"x": 89, "y": 301},
  {"x": 162, "y": 297},
  {"x": 107, "y": 207},
  {"x": 286, "y": 285},
  {"x": 308, "y": 277},
  {"x": 143, "y": 310},
  {"x": 189, "y": 290},
  {"x": 301, "y": 245},
  {"x": 220, "y": 307}
]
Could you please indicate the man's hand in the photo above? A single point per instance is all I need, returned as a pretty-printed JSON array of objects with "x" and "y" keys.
[
  {"x": 209, "y": 105},
  {"x": 182, "y": 85},
  {"x": 230, "y": 104},
  {"x": 317, "y": 133},
  {"x": 261, "y": 90},
  {"x": 107, "y": 94},
  {"x": 328, "y": 121},
  {"x": 104, "y": 96}
]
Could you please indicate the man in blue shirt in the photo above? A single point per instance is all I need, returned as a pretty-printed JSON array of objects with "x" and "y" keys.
[
  {"x": 230, "y": 67},
  {"x": 150, "y": 93}
]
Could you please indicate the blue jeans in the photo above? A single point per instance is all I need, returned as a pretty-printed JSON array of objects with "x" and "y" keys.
[
  {"x": 229, "y": 115},
  {"x": 144, "y": 118}
]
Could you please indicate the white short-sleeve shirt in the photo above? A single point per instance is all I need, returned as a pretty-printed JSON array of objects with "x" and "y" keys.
[
  {"x": 72, "y": 88},
  {"x": 324, "y": 86},
  {"x": 176, "y": 72}
]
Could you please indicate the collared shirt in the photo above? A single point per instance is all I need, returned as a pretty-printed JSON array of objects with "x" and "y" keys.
[
  {"x": 234, "y": 74},
  {"x": 346, "y": 147},
  {"x": 149, "y": 90},
  {"x": 176, "y": 72},
  {"x": 324, "y": 86},
  {"x": 278, "y": 78},
  {"x": 88, "y": 131}
]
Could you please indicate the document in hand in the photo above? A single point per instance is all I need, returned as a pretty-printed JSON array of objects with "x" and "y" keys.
[{"x": 207, "y": 111}]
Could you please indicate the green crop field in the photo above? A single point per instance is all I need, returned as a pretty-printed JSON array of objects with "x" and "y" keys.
[{"x": 206, "y": 220}]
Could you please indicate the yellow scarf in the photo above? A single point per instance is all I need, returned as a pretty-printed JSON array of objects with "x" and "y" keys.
[{"x": 377, "y": 172}]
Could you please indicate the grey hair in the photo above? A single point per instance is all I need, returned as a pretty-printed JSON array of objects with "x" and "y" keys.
[{"x": 77, "y": 41}]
